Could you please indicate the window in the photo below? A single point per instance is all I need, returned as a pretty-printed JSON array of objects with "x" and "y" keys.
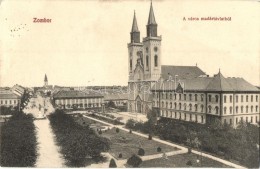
[
  {"x": 225, "y": 110},
  {"x": 180, "y": 106},
  {"x": 256, "y": 119},
  {"x": 201, "y": 97},
  {"x": 252, "y": 107},
  {"x": 201, "y": 108},
  {"x": 147, "y": 50},
  {"x": 155, "y": 61},
  {"x": 242, "y": 98},
  {"x": 236, "y": 98},
  {"x": 185, "y": 106},
  {"x": 202, "y": 119},
  {"x": 166, "y": 95},
  {"x": 147, "y": 62},
  {"x": 179, "y": 96},
  {"x": 175, "y": 105},
  {"x": 209, "y": 109},
  {"x": 256, "y": 98},
  {"x": 242, "y": 109},
  {"x": 230, "y": 110},
  {"x": 246, "y": 119},
  {"x": 252, "y": 98},
  {"x": 196, "y": 118},
  {"x": 236, "y": 120},
  {"x": 10, "y": 101},
  {"x": 196, "y": 107},
  {"x": 170, "y": 96},
  {"x": 190, "y": 117},
  {"x": 256, "y": 109},
  {"x": 190, "y": 97},
  {"x": 246, "y": 98},
  {"x": 184, "y": 116},
  {"x": 216, "y": 98},
  {"x": 225, "y": 99},
  {"x": 216, "y": 108},
  {"x": 236, "y": 109},
  {"x": 162, "y": 104},
  {"x": 190, "y": 107},
  {"x": 246, "y": 109},
  {"x": 6, "y": 102},
  {"x": 209, "y": 98},
  {"x": 131, "y": 64},
  {"x": 251, "y": 119},
  {"x": 230, "y": 99},
  {"x": 171, "y": 105},
  {"x": 184, "y": 96},
  {"x": 196, "y": 97},
  {"x": 175, "y": 115},
  {"x": 166, "y": 105},
  {"x": 14, "y": 101},
  {"x": 175, "y": 96}
]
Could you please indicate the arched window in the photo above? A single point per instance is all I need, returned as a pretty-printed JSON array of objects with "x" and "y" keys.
[
  {"x": 171, "y": 105},
  {"x": 230, "y": 99},
  {"x": 236, "y": 109},
  {"x": 170, "y": 96},
  {"x": 196, "y": 97},
  {"x": 190, "y": 107},
  {"x": 166, "y": 105},
  {"x": 216, "y": 98},
  {"x": 180, "y": 106},
  {"x": 190, "y": 97},
  {"x": 201, "y": 107},
  {"x": 175, "y": 96},
  {"x": 166, "y": 95},
  {"x": 252, "y": 108},
  {"x": 209, "y": 109},
  {"x": 147, "y": 62},
  {"x": 155, "y": 61},
  {"x": 246, "y": 109},
  {"x": 216, "y": 108},
  {"x": 196, "y": 107},
  {"x": 184, "y": 96},
  {"x": 175, "y": 105},
  {"x": 185, "y": 106},
  {"x": 242, "y": 108},
  {"x": 179, "y": 96},
  {"x": 162, "y": 104},
  {"x": 246, "y": 98}
]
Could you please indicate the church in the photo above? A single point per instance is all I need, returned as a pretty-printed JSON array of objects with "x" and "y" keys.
[{"x": 183, "y": 92}]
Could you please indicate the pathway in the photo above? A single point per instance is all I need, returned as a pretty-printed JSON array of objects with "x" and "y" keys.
[
  {"x": 48, "y": 151},
  {"x": 183, "y": 149}
]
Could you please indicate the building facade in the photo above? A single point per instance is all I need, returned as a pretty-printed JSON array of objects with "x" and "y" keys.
[
  {"x": 78, "y": 100},
  {"x": 8, "y": 98}
]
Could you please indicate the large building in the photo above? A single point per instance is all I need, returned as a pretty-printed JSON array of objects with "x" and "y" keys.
[{"x": 183, "y": 92}]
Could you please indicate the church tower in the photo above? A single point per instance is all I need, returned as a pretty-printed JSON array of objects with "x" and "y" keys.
[
  {"x": 45, "y": 80},
  {"x": 152, "y": 49}
]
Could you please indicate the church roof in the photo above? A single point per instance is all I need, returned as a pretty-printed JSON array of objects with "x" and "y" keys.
[
  {"x": 134, "y": 25},
  {"x": 181, "y": 72},
  {"x": 151, "y": 19}
]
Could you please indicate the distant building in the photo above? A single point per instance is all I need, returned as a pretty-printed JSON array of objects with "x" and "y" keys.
[
  {"x": 17, "y": 89},
  {"x": 8, "y": 98},
  {"x": 74, "y": 99},
  {"x": 119, "y": 99}
]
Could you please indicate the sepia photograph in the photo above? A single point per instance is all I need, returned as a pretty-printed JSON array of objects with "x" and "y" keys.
[{"x": 130, "y": 83}]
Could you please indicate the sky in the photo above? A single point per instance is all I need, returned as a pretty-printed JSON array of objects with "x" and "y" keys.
[{"x": 86, "y": 42}]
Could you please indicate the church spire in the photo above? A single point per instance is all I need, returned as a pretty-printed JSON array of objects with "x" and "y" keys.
[
  {"x": 151, "y": 19},
  {"x": 135, "y": 33},
  {"x": 134, "y": 25},
  {"x": 45, "y": 80},
  {"x": 151, "y": 27}
]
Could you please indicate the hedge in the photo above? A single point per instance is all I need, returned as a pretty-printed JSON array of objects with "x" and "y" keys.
[
  {"x": 18, "y": 141},
  {"x": 79, "y": 144}
]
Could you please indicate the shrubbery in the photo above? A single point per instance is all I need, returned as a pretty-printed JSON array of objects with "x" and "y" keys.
[
  {"x": 18, "y": 141},
  {"x": 134, "y": 161},
  {"x": 115, "y": 122},
  {"x": 112, "y": 164},
  {"x": 77, "y": 142},
  {"x": 159, "y": 149},
  {"x": 141, "y": 152}
]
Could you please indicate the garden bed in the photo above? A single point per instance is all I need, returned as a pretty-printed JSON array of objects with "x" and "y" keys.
[{"x": 129, "y": 144}]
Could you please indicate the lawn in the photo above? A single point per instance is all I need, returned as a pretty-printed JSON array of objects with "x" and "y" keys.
[
  {"x": 181, "y": 160},
  {"x": 129, "y": 144},
  {"x": 84, "y": 121}
]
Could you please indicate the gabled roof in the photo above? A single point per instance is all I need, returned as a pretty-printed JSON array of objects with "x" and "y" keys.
[
  {"x": 219, "y": 83},
  {"x": 134, "y": 25},
  {"x": 181, "y": 72},
  {"x": 151, "y": 19},
  {"x": 9, "y": 95}
]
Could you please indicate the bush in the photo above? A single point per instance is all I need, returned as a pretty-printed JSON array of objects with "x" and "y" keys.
[
  {"x": 130, "y": 131},
  {"x": 150, "y": 137},
  {"x": 112, "y": 164},
  {"x": 141, "y": 152},
  {"x": 77, "y": 142},
  {"x": 117, "y": 130},
  {"x": 134, "y": 161},
  {"x": 159, "y": 149},
  {"x": 120, "y": 155},
  {"x": 100, "y": 132},
  {"x": 189, "y": 163},
  {"x": 189, "y": 150},
  {"x": 18, "y": 141}
]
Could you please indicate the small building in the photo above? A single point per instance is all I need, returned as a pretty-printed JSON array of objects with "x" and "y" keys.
[{"x": 9, "y": 99}]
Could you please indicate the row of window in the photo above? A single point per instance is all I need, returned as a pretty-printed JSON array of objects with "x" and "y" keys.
[
  {"x": 81, "y": 105},
  {"x": 182, "y": 116},
  {"x": 77, "y": 100},
  {"x": 179, "y": 107},
  {"x": 8, "y": 102},
  {"x": 210, "y": 97},
  {"x": 246, "y": 119},
  {"x": 147, "y": 62}
]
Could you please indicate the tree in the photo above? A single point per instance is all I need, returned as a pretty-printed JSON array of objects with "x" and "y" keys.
[
  {"x": 134, "y": 161},
  {"x": 141, "y": 152},
  {"x": 112, "y": 164},
  {"x": 117, "y": 130},
  {"x": 111, "y": 104}
]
